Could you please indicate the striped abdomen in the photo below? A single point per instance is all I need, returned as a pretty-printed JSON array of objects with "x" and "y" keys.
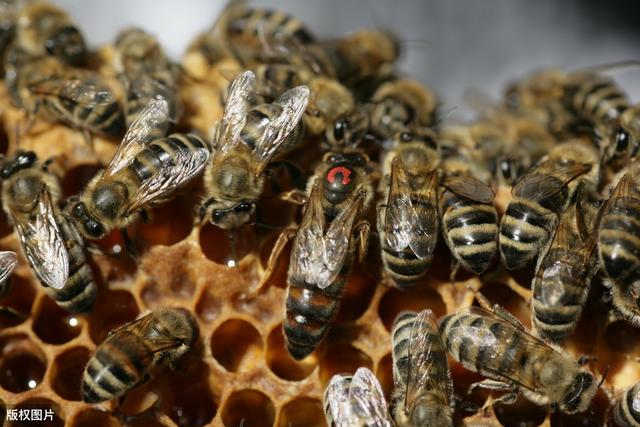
[
  {"x": 309, "y": 312},
  {"x": 116, "y": 368},
  {"x": 525, "y": 228},
  {"x": 79, "y": 293},
  {"x": 141, "y": 91},
  {"x": 470, "y": 229},
  {"x": 257, "y": 121},
  {"x": 405, "y": 267},
  {"x": 598, "y": 99},
  {"x": 619, "y": 238},
  {"x": 560, "y": 290},
  {"x": 626, "y": 413},
  {"x": 256, "y": 23}
]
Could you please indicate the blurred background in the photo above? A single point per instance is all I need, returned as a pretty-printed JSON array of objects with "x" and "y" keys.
[{"x": 450, "y": 45}]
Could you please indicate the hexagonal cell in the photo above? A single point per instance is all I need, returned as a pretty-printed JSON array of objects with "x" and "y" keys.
[
  {"x": 22, "y": 364},
  {"x": 249, "y": 408},
  {"x": 208, "y": 306},
  {"x": 77, "y": 178},
  {"x": 357, "y": 295},
  {"x": 169, "y": 277},
  {"x": 226, "y": 247},
  {"x": 169, "y": 223},
  {"x": 342, "y": 358},
  {"x": 185, "y": 394},
  {"x": 301, "y": 413},
  {"x": 384, "y": 372},
  {"x": 66, "y": 372},
  {"x": 19, "y": 300},
  {"x": 43, "y": 405},
  {"x": 53, "y": 324},
  {"x": 394, "y": 301},
  {"x": 280, "y": 361},
  {"x": 235, "y": 344},
  {"x": 112, "y": 309},
  {"x": 521, "y": 413},
  {"x": 94, "y": 418}
]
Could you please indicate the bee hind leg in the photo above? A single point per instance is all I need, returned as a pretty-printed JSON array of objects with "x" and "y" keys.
[
  {"x": 496, "y": 309},
  {"x": 363, "y": 229},
  {"x": 492, "y": 385},
  {"x": 129, "y": 245},
  {"x": 296, "y": 197}
]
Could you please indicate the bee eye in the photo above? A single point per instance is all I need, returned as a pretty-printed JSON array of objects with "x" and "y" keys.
[
  {"x": 93, "y": 228},
  {"x": 339, "y": 129},
  {"x": 243, "y": 207},
  {"x": 26, "y": 159},
  {"x": 622, "y": 140},
  {"x": 506, "y": 167},
  {"x": 217, "y": 215},
  {"x": 405, "y": 136}
]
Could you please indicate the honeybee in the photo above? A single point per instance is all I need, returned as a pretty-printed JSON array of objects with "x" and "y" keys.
[
  {"x": 50, "y": 243},
  {"x": 626, "y": 412},
  {"x": 59, "y": 93},
  {"x": 496, "y": 345},
  {"x": 627, "y": 137},
  {"x": 247, "y": 139},
  {"x": 401, "y": 104},
  {"x": 355, "y": 401},
  {"x": 423, "y": 391},
  {"x": 144, "y": 171},
  {"x": 8, "y": 262},
  {"x": 145, "y": 71},
  {"x": 407, "y": 213},
  {"x": 44, "y": 29},
  {"x": 323, "y": 248},
  {"x": 468, "y": 216},
  {"x": 563, "y": 274},
  {"x": 126, "y": 358},
  {"x": 540, "y": 195}
]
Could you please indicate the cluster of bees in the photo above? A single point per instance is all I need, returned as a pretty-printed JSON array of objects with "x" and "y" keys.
[{"x": 565, "y": 142}]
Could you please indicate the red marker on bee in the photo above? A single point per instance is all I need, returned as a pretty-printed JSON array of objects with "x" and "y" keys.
[{"x": 345, "y": 172}]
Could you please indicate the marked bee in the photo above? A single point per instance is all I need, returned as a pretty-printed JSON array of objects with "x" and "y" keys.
[
  {"x": 126, "y": 358},
  {"x": 407, "y": 214},
  {"x": 44, "y": 29},
  {"x": 356, "y": 401},
  {"x": 540, "y": 196},
  {"x": 401, "y": 104},
  {"x": 468, "y": 216},
  {"x": 49, "y": 240},
  {"x": 56, "y": 92},
  {"x": 423, "y": 391},
  {"x": 246, "y": 140},
  {"x": 8, "y": 262},
  {"x": 145, "y": 72},
  {"x": 323, "y": 248},
  {"x": 145, "y": 170},
  {"x": 564, "y": 272},
  {"x": 626, "y": 411},
  {"x": 496, "y": 345}
]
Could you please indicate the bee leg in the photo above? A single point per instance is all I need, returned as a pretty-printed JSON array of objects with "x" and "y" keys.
[
  {"x": 12, "y": 312},
  {"x": 282, "y": 241},
  {"x": 496, "y": 309},
  {"x": 455, "y": 265},
  {"x": 363, "y": 229},
  {"x": 88, "y": 138},
  {"x": 464, "y": 405},
  {"x": 129, "y": 244},
  {"x": 493, "y": 385},
  {"x": 297, "y": 197},
  {"x": 145, "y": 216}
]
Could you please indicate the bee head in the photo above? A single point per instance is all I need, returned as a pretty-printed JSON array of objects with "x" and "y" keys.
[
  {"x": 22, "y": 160},
  {"x": 67, "y": 44},
  {"x": 579, "y": 394},
  {"x": 227, "y": 217},
  {"x": 348, "y": 130},
  {"x": 87, "y": 225}
]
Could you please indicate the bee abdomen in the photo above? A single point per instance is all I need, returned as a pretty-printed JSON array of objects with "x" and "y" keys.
[
  {"x": 599, "y": 99},
  {"x": 309, "y": 311},
  {"x": 619, "y": 241},
  {"x": 557, "y": 322},
  {"x": 404, "y": 268},
  {"x": 626, "y": 412},
  {"x": 523, "y": 231}
]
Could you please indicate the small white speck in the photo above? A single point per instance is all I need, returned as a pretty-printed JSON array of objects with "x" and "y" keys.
[
  {"x": 116, "y": 249},
  {"x": 32, "y": 384},
  {"x": 231, "y": 263},
  {"x": 73, "y": 322}
]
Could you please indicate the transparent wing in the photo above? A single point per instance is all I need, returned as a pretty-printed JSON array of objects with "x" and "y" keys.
[
  {"x": 428, "y": 370},
  {"x": 366, "y": 395},
  {"x": 410, "y": 224},
  {"x": 241, "y": 93},
  {"x": 152, "y": 121},
  {"x": 43, "y": 244},
  {"x": 88, "y": 92},
  {"x": 337, "y": 401},
  {"x": 292, "y": 104},
  {"x": 146, "y": 327},
  {"x": 469, "y": 187},
  {"x": 8, "y": 262},
  {"x": 185, "y": 165},
  {"x": 545, "y": 181}
]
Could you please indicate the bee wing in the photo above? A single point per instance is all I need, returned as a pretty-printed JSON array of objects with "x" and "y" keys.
[
  {"x": 145, "y": 326},
  {"x": 292, "y": 103},
  {"x": 407, "y": 223},
  {"x": 185, "y": 165},
  {"x": 8, "y": 262},
  {"x": 541, "y": 184},
  {"x": 422, "y": 373},
  {"x": 43, "y": 244},
  {"x": 81, "y": 91},
  {"x": 366, "y": 394},
  {"x": 469, "y": 187},
  {"x": 503, "y": 337},
  {"x": 152, "y": 121},
  {"x": 337, "y": 400},
  {"x": 241, "y": 93}
]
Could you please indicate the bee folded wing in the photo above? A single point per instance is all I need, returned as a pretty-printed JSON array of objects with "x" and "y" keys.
[
  {"x": 8, "y": 262},
  {"x": 370, "y": 404},
  {"x": 88, "y": 92},
  {"x": 43, "y": 244}
]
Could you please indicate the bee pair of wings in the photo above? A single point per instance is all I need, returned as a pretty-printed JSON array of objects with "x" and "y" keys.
[
  {"x": 8, "y": 263},
  {"x": 318, "y": 256},
  {"x": 153, "y": 121},
  {"x": 356, "y": 401},
  {"x": 42, "y": 242},
  {"x": 412, "y": 224},
  {"x": 81, "y": 88},
  {"x": 292, "y": 104}
]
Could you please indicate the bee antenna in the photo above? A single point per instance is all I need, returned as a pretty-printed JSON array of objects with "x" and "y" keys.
[
  {"x": 613, "y": 66},
  {"x": 606, "y": 372}
]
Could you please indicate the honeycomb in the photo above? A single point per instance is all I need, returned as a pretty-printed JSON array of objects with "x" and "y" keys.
[{"x": 240, "y": 372}]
